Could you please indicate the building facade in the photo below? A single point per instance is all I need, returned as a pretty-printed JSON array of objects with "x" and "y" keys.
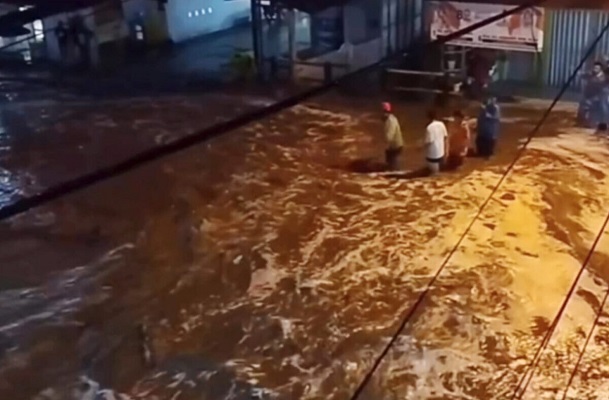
[
  {"x": 365, "y": 32},
  {"x": 570, "y": 34},
  {"x": 563, "y": 37}
]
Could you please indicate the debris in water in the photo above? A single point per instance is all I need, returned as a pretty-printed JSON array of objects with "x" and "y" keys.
[
  {"x": 147, "y": 353},
  {"x": 177, "y": 380},
  {"x": 259, "y": 393}
]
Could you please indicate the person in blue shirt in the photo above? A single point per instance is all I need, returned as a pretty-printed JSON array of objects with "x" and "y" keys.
[{"x": 489, "y": 122}]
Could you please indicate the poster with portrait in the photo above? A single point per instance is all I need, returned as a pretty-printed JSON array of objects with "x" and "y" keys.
[{"x": 518, "y": 32}]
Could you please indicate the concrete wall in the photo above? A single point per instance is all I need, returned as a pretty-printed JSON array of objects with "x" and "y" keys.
[
  {"x": 328, "y": 29},
  {"x": 363, "y": 19},
  {"x": 355, "y": 56},
  {"x": 363, "y": 43},
  {"x": 187, "y": 19}
]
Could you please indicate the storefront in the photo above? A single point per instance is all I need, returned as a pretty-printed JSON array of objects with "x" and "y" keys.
[{"x": 510, "y": 48}]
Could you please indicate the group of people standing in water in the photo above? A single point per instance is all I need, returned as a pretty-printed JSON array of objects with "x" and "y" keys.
[{"x": 447, "y": 145}]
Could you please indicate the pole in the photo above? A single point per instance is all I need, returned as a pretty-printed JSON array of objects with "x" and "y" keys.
[
  {"x": 292, "y": 39},
  {"x": 388, "y": 2},
  {"x": 257, "y": 36},
  {"x": 399, "y": 41}
]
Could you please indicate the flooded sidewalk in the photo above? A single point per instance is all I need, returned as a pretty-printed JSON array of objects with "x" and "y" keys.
[{"x": 266, "y": 263}]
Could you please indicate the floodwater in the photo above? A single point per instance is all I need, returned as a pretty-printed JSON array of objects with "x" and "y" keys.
[
  {"x": 270, "y": 263},
  {"x": 49, "y": 140}
]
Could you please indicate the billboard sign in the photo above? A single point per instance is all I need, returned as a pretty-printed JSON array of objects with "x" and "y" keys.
[{"x": 518, "y": 32}]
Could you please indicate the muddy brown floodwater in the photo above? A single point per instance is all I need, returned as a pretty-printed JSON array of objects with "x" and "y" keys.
[
  {"x": 47, "y": 141},
  {"x": 269, "y": 263}
]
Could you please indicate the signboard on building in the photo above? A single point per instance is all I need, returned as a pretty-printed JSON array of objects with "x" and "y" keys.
[{"x": 518, "y": 32}]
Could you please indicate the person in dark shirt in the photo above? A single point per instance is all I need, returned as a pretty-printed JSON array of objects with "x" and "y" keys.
[
  {"x": 593, "y": 106},
  {"x": 489, "y": 123}
]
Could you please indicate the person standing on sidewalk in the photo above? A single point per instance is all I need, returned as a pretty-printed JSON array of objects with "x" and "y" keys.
[
  {"x": 436, "y": 143},
  {"x": 393, "y": 136}
]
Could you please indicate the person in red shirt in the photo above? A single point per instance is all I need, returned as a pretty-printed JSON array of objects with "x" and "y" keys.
[{"x": 459, "y": 139}]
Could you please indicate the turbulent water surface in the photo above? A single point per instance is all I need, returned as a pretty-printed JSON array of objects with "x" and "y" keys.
[
  {"x": 272, "y": 263},
  {"x": 48, "y": 141}
]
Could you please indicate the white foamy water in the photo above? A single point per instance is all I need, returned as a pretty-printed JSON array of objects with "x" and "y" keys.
[{"x": 328, "y": 260}]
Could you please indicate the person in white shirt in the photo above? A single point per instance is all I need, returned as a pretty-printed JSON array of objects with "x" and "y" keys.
[{"x": 436, "y": 143}]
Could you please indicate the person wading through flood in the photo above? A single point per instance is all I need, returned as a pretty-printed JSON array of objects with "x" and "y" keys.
[
  {"x": 489, "y": 122},
  {"x": 393, "y": 135},
  {"x": 436, "y": 143},
  {"x": 459, "y": 141}
]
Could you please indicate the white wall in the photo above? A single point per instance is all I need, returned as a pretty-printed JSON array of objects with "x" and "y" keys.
[
  {"x": 362, "y": 46},
  {"x": 52, "y": 46},
  {"x": 225, "y": 14},
  {"x": 355, "y": 56}
]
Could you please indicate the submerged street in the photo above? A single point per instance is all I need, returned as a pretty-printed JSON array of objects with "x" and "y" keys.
[
  {"x": 273, "y": 262},
  {"x": 46, "y": 141}
]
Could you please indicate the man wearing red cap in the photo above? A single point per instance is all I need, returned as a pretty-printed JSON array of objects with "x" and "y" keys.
[{"x": 393, "y": 135}]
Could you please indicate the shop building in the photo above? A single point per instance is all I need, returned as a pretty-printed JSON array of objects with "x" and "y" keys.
[
  {"x": 569, "y": 34},
  {"x": 348, "y": 36},
  {"x": 513, "y": 46},
  {"x": 540, "y": 46}
]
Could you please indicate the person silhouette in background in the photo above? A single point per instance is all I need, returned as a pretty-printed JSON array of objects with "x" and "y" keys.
[
  {"x": 489, "y": 123},
  {"x": 61, "y": 33},
  {"x": 393, "y": 136},
  {"x": 82, "y": 36}
]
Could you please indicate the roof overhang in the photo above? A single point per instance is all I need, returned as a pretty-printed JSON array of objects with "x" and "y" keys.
[{"x": 11, "y": 24}]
